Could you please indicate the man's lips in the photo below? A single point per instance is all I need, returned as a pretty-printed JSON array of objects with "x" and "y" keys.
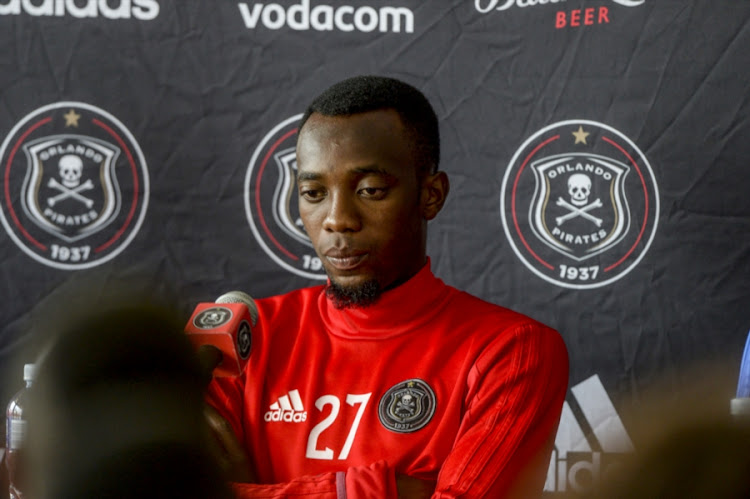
[{"x": 345, "y": 260}]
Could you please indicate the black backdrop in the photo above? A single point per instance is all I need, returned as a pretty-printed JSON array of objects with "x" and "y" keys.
[{"x": 179, "y": 116}]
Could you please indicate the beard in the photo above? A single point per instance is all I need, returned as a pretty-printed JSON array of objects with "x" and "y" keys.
[{"x": 360, "y": 296}]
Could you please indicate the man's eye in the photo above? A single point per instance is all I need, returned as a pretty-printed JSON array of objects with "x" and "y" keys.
[
  {"x": 373, "y": 192},
  {"x": 311, "y": 194}
]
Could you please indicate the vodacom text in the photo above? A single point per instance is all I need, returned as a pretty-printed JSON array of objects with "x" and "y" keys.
[
  {"x": 485, "y": 6},
  {"x": 302, "y": 16},
  {"x": 144, "y": 10}
]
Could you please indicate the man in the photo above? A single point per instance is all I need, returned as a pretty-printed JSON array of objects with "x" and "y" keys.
[{"x": 386, "y": 381}]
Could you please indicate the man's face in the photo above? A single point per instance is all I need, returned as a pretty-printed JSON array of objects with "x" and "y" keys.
[{"x": 359, "y": 198}]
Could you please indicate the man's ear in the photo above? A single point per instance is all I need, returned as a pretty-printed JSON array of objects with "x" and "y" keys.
[{"x": 435, "y": 189}]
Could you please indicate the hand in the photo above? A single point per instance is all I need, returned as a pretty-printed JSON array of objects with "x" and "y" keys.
[
  {"x": 413, "y": 488},
  {"x": 232, "y": 458}
]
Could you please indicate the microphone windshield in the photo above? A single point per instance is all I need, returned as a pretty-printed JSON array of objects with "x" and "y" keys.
[{"x": 241, "y": 297}]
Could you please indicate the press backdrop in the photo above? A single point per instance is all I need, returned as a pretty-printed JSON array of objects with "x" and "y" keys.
[{"x": 597, "y": 150}]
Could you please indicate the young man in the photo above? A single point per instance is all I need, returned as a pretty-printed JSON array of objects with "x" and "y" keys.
[{"x": 385, "y": 380}]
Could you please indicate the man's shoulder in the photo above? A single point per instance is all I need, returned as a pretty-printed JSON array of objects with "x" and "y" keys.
[
  {"x": 463, "y": 300},
  {"x": 498, "y": 330},
  {"x": 476, "y": 310}
]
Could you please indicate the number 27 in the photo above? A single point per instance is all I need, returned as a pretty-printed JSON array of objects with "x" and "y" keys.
[{"x": 312, "y": 441}]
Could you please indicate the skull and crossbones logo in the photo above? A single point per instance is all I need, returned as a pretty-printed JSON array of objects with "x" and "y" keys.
[
  {"x": 71, "y": 169},
  {"x": 406, "y": 406},
  {"x": 579, "y": 189},
  {"x": 244, "y": 339},
  {"x": 212, "y": 317}
]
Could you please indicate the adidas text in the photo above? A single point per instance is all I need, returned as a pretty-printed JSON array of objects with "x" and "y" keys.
[
  {"x": 300, "y": 16},
  {"x": 286, "y": 416},
  {"x": 144, "y": 10},
  {"x": 581, "y": 471}
]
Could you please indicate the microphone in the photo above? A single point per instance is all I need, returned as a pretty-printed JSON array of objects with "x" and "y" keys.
[
  {"x": 739, "y": 406},
  {"x": 222, "y": 333}
]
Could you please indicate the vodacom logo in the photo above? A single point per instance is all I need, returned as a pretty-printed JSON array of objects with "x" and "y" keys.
[{"x": 485, "y": 6}]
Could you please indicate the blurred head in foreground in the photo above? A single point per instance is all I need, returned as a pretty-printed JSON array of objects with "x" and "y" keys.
[
  {"x": 116, "y": 410},
  {"x": 687, "y": 445},
  {"x": 709, "y": 459}
]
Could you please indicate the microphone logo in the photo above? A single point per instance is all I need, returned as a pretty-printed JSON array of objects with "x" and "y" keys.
[
  {"x": 212, "y": 318},
  {"x": 244, "y": 340}
]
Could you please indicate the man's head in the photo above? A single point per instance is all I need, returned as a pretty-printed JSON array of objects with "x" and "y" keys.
[
  {"x": 361, "y": 94},
  {"x": 367, "y": 157}
]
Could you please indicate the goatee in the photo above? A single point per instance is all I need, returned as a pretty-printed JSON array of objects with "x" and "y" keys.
[{"x": 360, "y": 296}]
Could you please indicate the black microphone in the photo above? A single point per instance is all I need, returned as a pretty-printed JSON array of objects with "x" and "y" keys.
[{"x": 222, "y": 333}]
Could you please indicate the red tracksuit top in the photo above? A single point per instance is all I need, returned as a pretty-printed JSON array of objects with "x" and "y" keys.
[{"x": 429, "y": 382}]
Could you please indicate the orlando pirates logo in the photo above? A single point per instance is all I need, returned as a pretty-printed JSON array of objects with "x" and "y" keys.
[
  {"x": 271, "y": 202},
  {"x": 407, "y": 407},
  {"x": 579, "y": 204},
  {"x": 244, "y": 340},
  {"x": 579, "y": 207},
  {"x": 76, "y": 185},
  {"x": 212, "y": 317},
  {"x": 70, "y": 190}
]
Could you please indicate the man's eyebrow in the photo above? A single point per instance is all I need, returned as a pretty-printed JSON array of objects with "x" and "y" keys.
[
  {"x": 362, "y": 170},
  {"x": 372, "y": 170},
  {"x": 308, "y": 176}
]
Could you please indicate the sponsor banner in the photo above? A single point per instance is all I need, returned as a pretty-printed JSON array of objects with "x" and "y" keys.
[
  {"x": 75, "y": 185},
  {"x": 271, "y": 203},
  {"x": 579, "y": 204}
]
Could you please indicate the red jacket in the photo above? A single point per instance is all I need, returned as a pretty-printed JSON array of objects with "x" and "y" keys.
[{"x": 429, "y": 382}]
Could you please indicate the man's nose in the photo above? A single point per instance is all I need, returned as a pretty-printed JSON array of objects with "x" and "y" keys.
[{"x": 343, "y": 214}]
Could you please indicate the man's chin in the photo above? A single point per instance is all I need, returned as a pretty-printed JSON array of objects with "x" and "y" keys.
[{"x": 353, "y": 295}]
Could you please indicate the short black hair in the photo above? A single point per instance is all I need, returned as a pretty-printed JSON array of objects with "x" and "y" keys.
[{"x": 361, "y": 94}]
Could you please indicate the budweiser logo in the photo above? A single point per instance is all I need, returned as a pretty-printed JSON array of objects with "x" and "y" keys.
[{"x": 485, "y": 6}]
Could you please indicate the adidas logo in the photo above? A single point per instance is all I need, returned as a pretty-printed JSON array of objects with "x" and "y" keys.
[
  {"x": 144, "y": 10},
  {"x": 288, "y": 408},
  {"x": 582, "y": 457}
]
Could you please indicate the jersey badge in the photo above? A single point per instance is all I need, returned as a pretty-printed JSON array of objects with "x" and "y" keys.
[{"x": 407, "y": 406}]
